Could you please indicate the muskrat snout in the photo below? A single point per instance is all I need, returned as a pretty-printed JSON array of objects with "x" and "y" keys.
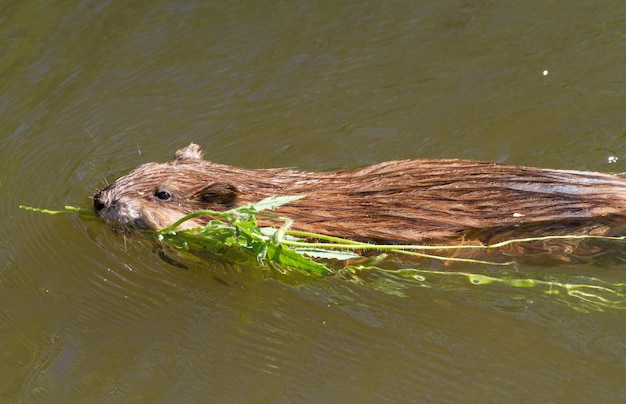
[
  {"x": 98, "y": 204},
  {"x": 114, "y": 209}
]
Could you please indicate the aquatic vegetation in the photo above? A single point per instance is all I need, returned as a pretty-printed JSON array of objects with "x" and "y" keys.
[{"x": 317, "y": 254}]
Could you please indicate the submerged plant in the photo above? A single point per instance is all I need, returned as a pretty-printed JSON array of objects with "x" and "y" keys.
[{"x": 238, "y": 230}]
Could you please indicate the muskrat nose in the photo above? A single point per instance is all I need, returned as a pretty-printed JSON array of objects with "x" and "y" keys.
[{"x": 97, "y": 202}]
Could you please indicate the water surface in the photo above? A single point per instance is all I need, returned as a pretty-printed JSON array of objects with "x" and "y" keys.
[{"x": 91, "y": 89}]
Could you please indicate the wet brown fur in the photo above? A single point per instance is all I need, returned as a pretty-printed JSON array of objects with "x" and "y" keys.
[{"x": 407, "y": 201}]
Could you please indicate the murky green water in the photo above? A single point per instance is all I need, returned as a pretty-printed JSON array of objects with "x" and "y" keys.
[{"x": 91, "y": 89}]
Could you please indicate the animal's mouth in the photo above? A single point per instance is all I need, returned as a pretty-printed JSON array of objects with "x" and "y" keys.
[
  {"x": 123, "y": 223},
  {"x": 120, "y": 228}
]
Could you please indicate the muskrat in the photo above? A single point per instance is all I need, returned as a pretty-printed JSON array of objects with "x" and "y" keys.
[{"x": 406, "y": 201}]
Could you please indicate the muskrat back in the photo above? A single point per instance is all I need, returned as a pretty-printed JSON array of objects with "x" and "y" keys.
[{"x": 407, "y": 201}]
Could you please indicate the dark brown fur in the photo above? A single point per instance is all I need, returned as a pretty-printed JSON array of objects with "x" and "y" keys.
[{"x": 408, "y": 201}]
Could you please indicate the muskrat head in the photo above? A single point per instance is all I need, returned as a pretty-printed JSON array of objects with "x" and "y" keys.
[{"x": 156, "y": 195}]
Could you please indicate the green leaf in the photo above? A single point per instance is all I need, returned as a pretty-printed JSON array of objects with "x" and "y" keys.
[
  {"x": 290, "y": 258},
  {"x": 270, "y": 203}
]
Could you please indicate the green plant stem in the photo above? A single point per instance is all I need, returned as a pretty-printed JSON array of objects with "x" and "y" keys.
[
  {"x": 351, "y": 244},
  {"x": 608, "y": 296}
]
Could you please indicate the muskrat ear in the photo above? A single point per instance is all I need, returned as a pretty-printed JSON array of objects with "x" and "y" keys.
[
  {"x": 219, "y": 193},
  {"x": 193, "y": 151}
]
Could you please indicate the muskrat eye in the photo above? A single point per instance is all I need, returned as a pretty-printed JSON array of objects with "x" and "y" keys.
[{"x": 162, "y": 195}]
